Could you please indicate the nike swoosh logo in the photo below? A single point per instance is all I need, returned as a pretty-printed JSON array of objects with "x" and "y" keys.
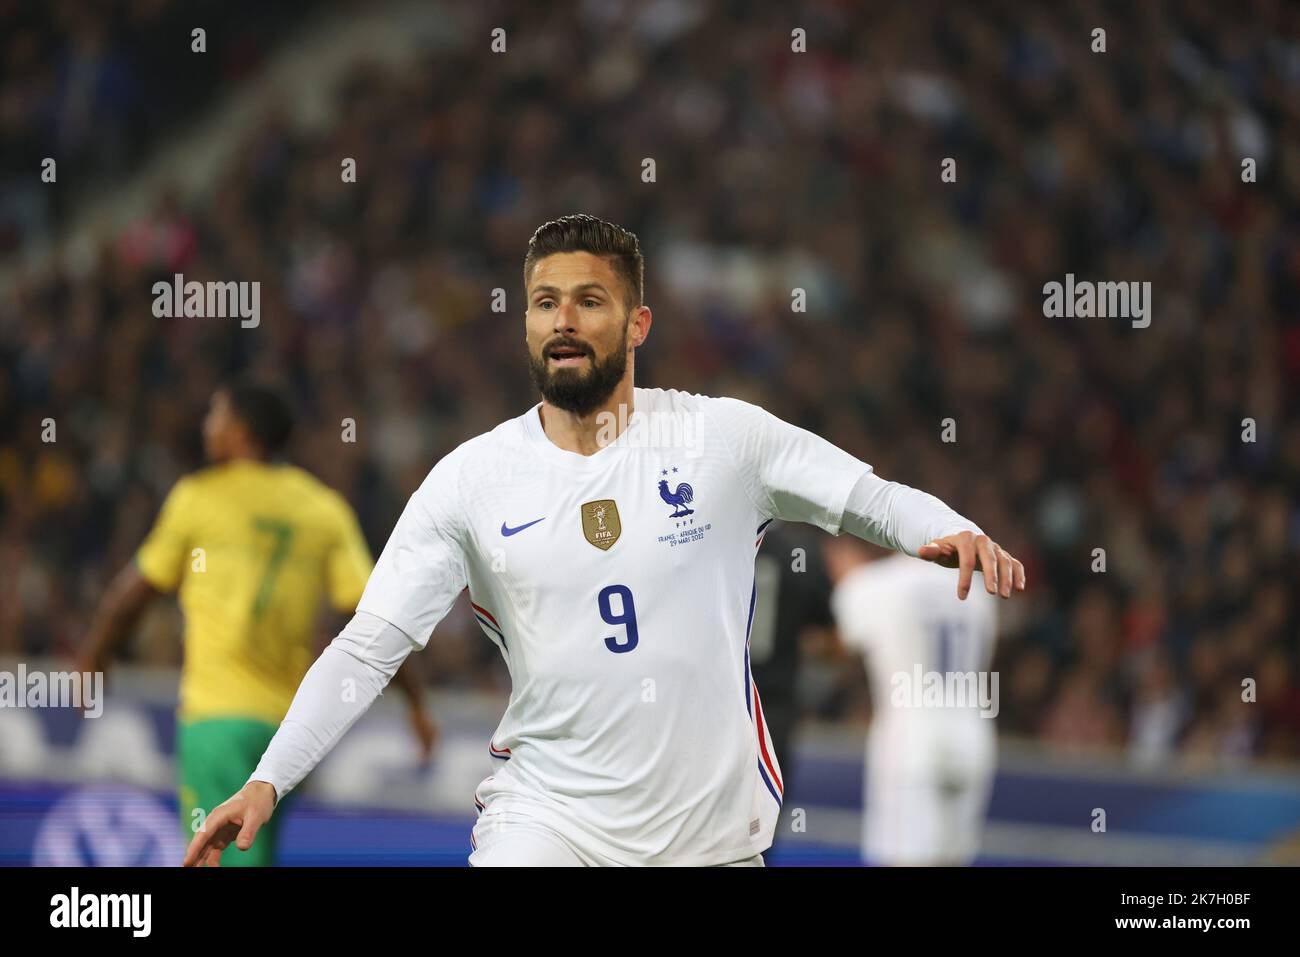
[{"x": 507, "y": 531}]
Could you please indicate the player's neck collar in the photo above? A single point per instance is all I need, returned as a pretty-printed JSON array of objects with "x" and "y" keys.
[{"x": 536, "y": 434}]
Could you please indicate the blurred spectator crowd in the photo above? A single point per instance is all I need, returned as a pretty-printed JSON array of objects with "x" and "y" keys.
[
  {"x": 95, "y": 84},
  {"x": 773, "y": 171}
]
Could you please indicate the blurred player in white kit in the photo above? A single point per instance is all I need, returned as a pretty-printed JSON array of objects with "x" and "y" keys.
[{"x": 930, "y": 763}]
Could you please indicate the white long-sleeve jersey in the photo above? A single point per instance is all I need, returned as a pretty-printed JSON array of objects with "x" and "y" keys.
[
  {"x": 904, "y": 616},
  {"x": 619, "y": 589}
]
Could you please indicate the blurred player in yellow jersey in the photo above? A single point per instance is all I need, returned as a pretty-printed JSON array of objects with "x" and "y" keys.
[{"x": 251, "y": 545}]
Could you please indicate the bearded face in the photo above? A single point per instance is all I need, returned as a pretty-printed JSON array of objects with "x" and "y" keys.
[
  {"x": 577, "y": 331},
  {"x": 572, "y": 376}
]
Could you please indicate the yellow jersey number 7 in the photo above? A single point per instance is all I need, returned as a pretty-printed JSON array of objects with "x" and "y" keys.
[{"x": 281, "y": 536}]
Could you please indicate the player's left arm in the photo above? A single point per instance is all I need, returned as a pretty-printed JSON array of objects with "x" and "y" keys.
[
  {"x": 909, "y": 520},
  {"x": 792, "y": 474}
]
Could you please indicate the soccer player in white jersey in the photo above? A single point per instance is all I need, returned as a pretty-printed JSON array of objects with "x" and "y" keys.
[
  {"x": 931, "y": 747},
  {"x": 607, "y": 537}
]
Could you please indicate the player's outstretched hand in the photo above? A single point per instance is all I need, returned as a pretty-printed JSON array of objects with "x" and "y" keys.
[
  {"x": 236, "y": 819},
  {"x": 970, "y": 553}
]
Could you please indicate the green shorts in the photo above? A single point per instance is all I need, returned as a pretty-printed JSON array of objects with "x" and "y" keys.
[{"x": 215, "y": 757}]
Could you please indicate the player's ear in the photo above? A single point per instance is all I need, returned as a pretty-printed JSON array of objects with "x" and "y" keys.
[{"x": 639, "y": 320}]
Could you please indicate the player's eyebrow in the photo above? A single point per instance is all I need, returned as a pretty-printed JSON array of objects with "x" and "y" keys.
[{"x": 555, "y": 290}]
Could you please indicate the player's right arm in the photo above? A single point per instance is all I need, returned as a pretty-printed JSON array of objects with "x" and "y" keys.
[
  {"x": 157, "y": 568},
  {"x": 338, "y": 689},
  {"x": 347, "y": 569},
  {"x": 413, "y": 586},
  {"x": 118, "y": 611},
  {"x": 237, "y": 819}
]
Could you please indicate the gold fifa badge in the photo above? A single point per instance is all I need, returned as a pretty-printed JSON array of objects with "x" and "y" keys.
[{"x": 600, "y": 523}]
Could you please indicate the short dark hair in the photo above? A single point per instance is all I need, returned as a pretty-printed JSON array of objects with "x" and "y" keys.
[
  {"x": 583, "y": 233},
  {"x": 264, "y": 411}
]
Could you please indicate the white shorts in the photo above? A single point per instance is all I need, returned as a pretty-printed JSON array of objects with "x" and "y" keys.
[
  {"x": 526, "y": 844},
  {"x": 927, "y": 794}
]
